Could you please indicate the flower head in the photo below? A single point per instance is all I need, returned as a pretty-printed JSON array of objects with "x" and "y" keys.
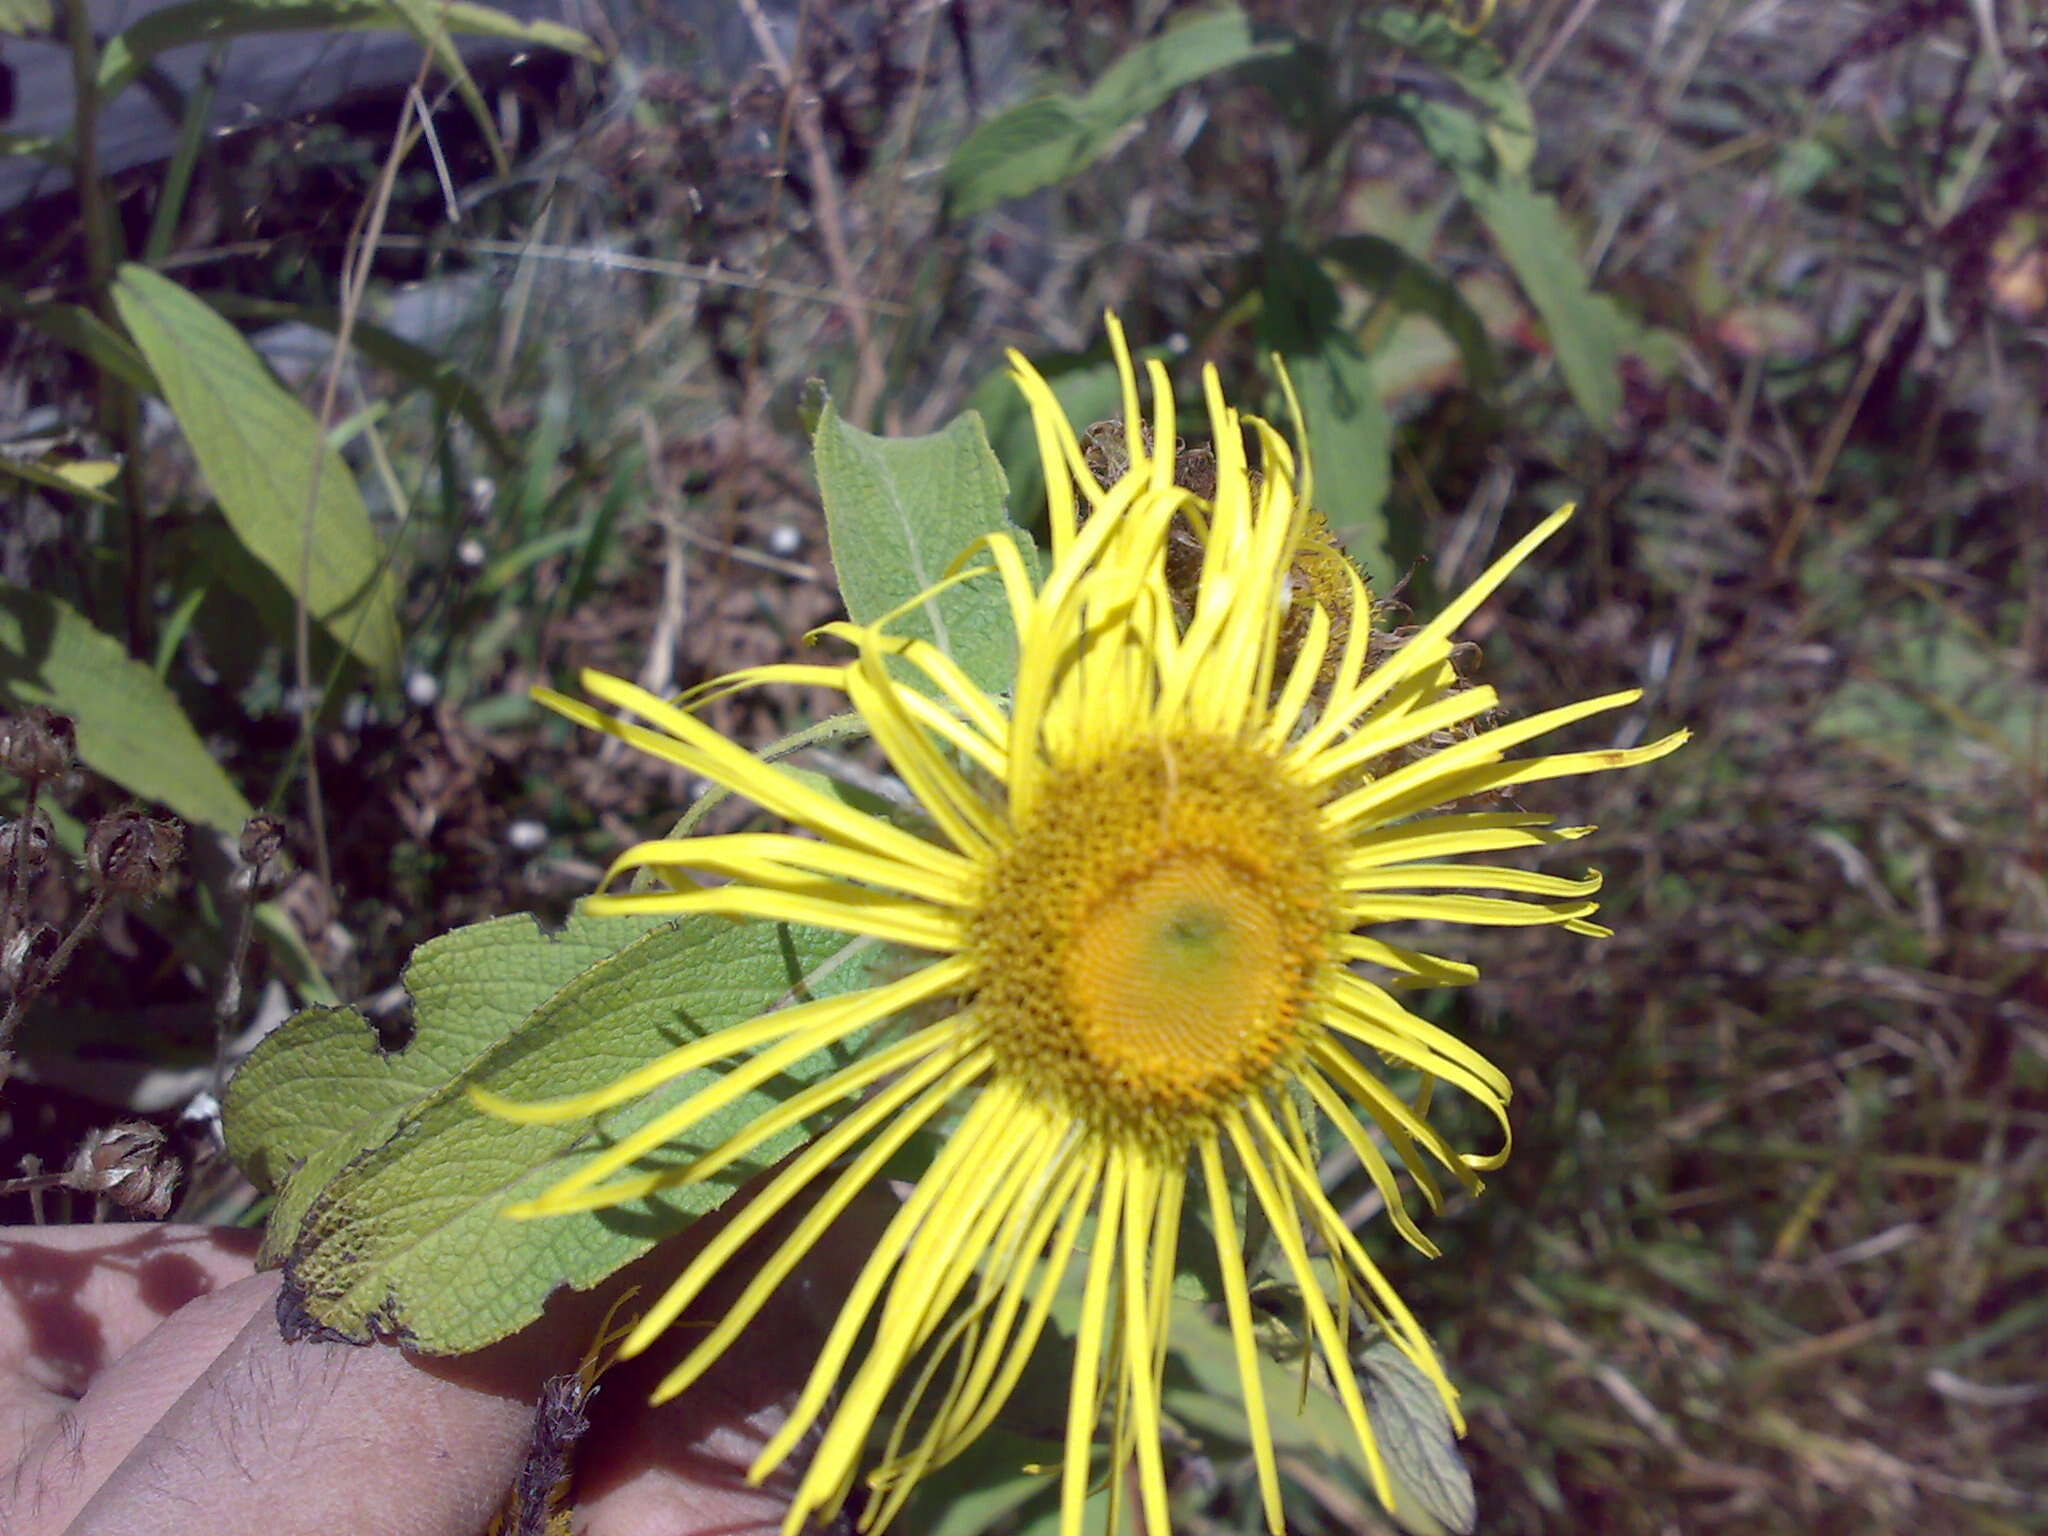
[{"x": 1143, "y": 884}]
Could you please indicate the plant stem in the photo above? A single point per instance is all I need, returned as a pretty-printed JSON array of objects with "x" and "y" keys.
[
  {"x": 11, "y": 912},
  {"x": 28, "y": 989},
  {"x": 85, "y": 132},
  {"x": 229, "y": 1003},
  {"x": 120, "y": 414}
]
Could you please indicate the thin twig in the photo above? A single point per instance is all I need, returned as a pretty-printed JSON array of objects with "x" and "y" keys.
[
  {"x": 831, "y": 225},
  {"x": 361, "y": 254},
  {"x": 15, "y": 909},
  {"x": 658, "y": 671},
  {"x": 585, "y": 255},
  {"x": 1554, "y": 44},
  {"x": 1874, "y": 353},
  {"x": 230, "y": 1001},
  {"x": 28, "y": 988},
  {"x": 120, "y": 413}
]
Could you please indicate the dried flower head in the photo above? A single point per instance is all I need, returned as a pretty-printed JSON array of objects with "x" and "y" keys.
[
  {"x": 37, "y": 744},
  {"x": 33, "y": 839},
  {"x": 127, "y": 1165},
  {"x": 132, "y": 854}
]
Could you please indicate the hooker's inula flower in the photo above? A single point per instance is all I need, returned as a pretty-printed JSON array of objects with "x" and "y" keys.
[{"x": 1145, "y": 882}]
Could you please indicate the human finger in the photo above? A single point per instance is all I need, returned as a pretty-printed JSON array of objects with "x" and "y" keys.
[
  {"x": 277, "y": 1439},
  {"x": 77, "y": 1302}
]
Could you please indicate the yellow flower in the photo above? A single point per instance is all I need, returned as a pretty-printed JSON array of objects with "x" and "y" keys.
[{"x": 1145, "y": 882}]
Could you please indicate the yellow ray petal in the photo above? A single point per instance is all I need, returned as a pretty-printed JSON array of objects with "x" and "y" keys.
[
  {"x": 776, "y": 857},
  {"x": 1237, "y": 1305},
  {"x": 824, "y": 1019}
]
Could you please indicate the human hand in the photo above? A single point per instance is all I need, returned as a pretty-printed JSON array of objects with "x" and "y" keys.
[{"x": 144, "y": 1387}]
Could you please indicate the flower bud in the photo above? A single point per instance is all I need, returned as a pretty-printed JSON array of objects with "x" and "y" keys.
[
  {"x": 26, "y": 954},
  {"x": 126, "y": 1164},
  {"x": 35, "y": 846},
  {"x": 132, "y": 855},
  {"x": 262, "y": 851},
  {"x": 262, "y": 836},
  {"x": 36, "y": 744}
]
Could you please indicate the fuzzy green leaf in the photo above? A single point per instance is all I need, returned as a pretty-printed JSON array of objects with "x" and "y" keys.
[
  {"x": 1432, "y": 1485},
  {"x": 262, "y": 452},
  {"x": 130, "y": 726},
  {"x": 321, "y": 1091},
  {"x": 901, "y": 513},
  {"x": 410, "y": 1239}
]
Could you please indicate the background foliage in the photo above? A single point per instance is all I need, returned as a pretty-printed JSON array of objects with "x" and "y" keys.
[{"x": 1763, "y": 288}]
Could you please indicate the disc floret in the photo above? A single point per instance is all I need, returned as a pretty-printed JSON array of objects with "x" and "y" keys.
[{"x": 1149, "y": 944}]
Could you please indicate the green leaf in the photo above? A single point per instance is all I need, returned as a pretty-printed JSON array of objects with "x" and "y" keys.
[
  {"x": 1588, "y": 331},
  {"x": 1206, "y": 1393},
  {"x": 22, "y": 18},
  {"x": 1432, "y": 1488},
  {"x": 31, "y": 146},
  {"x": 998, "y": 1474},
  {"x": 261, "y": 452},
  {"x": 130, "y": 726},
  {"x": 201, "y": 21},
  {"x": 1476, "y": 67},
  {"x": 320, "y": 1091},
  {"x": 1036, "y": 144},
  {"x": 437, "y": 375},
  {"x": 410, "y": 1239},
  {"x": 1413, "y": 286},
  {"x": 1432, "y": 1485},
  {"x": 85, "y": 333},
  {"x": 1350, "y": 437},
  {"x": 900, "y": 512},
  {"x": 1046, "y": 140},
  {"x": 74, "y": 476},
  {"x": 1297, "y": 81},
  {"x": 1931, "y": 673}
]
